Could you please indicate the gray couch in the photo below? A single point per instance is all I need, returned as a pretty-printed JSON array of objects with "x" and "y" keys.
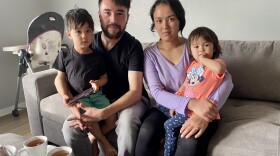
[{"x": 250, "y": 118}]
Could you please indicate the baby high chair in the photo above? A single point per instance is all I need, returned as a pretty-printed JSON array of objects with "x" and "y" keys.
[{"x": 44, "y": 40}]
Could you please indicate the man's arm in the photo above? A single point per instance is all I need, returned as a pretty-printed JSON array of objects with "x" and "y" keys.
[
  {"x": 135, "y": 79},
  {"x": 134, "y": 94}
]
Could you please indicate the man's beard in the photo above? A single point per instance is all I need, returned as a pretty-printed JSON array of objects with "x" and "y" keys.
[{"x": 112, "y": 36}]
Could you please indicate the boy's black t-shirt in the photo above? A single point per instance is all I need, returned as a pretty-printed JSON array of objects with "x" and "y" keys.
[
  {"x": 80, "y": 69},
  {"x": 126, "y": 55}
]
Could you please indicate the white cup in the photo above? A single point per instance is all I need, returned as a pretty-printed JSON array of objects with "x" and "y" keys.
[
  {"x": 61, "y": 151},
  {"x": 34, "y": 146}
]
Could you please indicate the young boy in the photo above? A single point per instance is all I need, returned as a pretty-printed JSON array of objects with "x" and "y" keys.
[{"x": 81, "y": 68}]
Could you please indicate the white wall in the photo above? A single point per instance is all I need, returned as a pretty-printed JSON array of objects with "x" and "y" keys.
[
  {"x": 236, "y": 20},
  {"x": 231, "y": 20}
]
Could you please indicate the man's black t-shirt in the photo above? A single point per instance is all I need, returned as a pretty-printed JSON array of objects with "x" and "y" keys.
[
  {"x": 80, "y": 69},
  {"x": 126, "y": 55}
]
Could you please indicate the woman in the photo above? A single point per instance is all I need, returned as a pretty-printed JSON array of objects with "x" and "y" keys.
[{"x": 165, "y": 66}]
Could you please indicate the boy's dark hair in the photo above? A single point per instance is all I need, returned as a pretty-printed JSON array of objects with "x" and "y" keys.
[
  {"x": 78, "y": 17},
  {"x": 209, "y": 35},
  {"x": 176, "y": 7},
  {"x": 125, "y": 3}
]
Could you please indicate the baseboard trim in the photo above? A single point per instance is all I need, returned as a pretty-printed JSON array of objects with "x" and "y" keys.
[{"x": 8, "y": 110}]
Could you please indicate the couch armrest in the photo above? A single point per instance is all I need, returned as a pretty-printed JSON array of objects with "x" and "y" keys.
[{"x": 37, "y": 86}]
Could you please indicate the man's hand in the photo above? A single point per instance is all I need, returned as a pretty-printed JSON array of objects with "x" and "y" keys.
[
  {"x": 90, "y": 116},
  {"x": 206, "y": 109},
  {"x": 76, "y": 122},
  {"x": 194, "y": 125}
]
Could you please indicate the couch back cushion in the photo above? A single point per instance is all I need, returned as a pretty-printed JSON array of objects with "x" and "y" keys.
[{"x": 255, "y": 68}]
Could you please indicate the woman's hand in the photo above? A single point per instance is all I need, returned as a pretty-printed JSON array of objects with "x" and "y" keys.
[
  {"x": 205, "y": 108},
  {"x": 194, "y": 125}
]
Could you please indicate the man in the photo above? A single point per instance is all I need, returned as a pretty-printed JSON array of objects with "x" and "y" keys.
[{"x": 123, "y": 55}]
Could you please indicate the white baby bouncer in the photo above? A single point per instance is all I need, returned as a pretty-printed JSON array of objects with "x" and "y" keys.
[{"x": 44, "y": 41}]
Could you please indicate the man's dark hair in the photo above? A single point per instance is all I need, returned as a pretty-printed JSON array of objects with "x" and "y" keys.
[
  {"x": 78, "y": 17},
  {"x": 209, "y": 35},
  {"x": 125, "y": 3},
  {"x": 176, "y": 7}
]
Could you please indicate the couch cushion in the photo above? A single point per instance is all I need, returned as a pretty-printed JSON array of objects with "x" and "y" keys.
[
  {"x": 247, "y": 128},
  {"x": 53, "y": 108},
  {"x": 255, "y": 68}
]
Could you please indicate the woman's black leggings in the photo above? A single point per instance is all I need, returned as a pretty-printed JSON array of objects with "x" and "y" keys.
[{"x": 152, "y": 131}]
